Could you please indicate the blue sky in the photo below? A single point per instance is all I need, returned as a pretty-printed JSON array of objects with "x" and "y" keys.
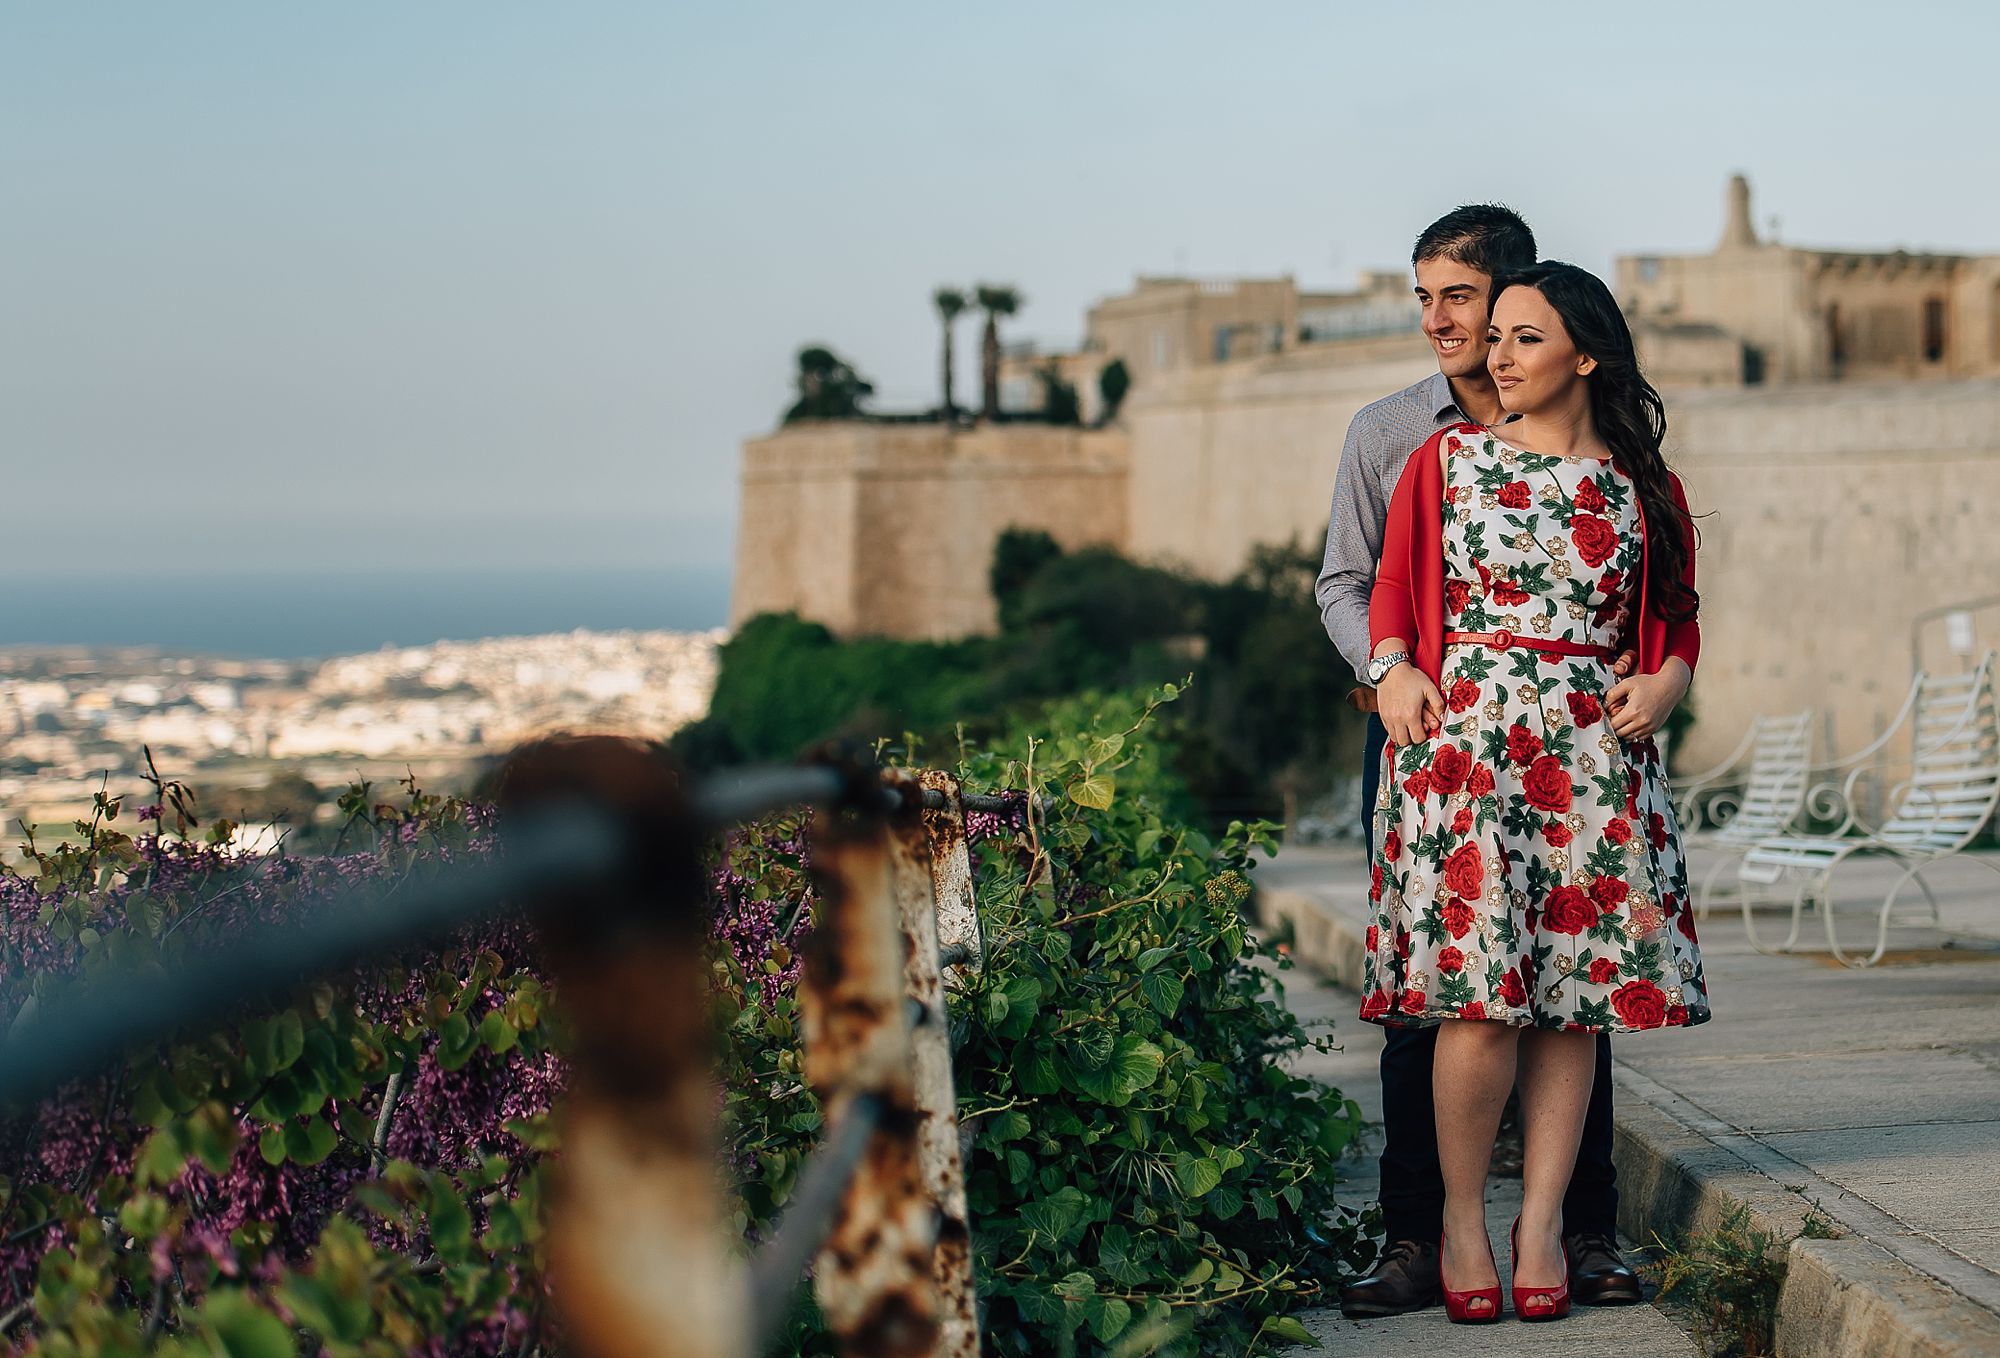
[{"x": 463, "y": 285}]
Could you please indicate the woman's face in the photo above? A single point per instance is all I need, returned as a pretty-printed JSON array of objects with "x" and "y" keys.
[{"x": 1534, "y": 362}]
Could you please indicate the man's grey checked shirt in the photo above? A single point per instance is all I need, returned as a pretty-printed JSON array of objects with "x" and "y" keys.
[{"x": 1379, "y": 443}]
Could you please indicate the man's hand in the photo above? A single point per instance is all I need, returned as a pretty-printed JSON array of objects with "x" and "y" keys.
[
  {"x": 1410, "y": 705},
  {"x": 1641, "y": 704}
]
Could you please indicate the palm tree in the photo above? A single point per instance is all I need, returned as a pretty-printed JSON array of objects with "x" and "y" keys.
[
  {"x": 995, "y": 302},
  {"x": 949, "y": 302}
]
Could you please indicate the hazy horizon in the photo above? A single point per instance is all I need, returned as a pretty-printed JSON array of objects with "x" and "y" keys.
[{"x": 499, "y": 285}]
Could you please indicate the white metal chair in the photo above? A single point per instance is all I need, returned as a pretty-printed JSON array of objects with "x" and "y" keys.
[
  {"x": 1953, "y": 787},
  {"x": 1730, "y": 808}
]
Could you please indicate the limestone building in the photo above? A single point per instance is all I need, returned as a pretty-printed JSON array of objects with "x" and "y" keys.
[
  {"x": 1805, "y": 315},
  {"x": 1838, "y": 411}
]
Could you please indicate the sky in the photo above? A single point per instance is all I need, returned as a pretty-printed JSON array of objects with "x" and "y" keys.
[{"x": 463, "y": 286}]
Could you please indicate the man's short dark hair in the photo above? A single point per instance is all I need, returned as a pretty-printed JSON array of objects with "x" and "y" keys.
[{"x": 1484, "y": 236}]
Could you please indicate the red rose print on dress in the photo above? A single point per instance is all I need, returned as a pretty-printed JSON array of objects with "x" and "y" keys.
[
  {"x": 1375, "y": 885},
  {"x": 1450, "y": 767},
  {"x": 1568, "y": 911},
  {"x": 1525, "y": 855},
  {"x": 1458, "y": 917},
  {"x": 1465, "y": 872},
  {"x": 1595, "y": 539},
  {"x": 1640, "y": 1004},
  {"x": 1546, "y": 785}
]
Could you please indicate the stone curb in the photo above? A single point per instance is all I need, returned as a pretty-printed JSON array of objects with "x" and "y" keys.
[{"x": 1842, "y": 1298}]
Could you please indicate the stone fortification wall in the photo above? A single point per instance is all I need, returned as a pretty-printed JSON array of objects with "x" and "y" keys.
[
  {"x": 890, "y": 528},
  {"x": 1839, "y": 513}
]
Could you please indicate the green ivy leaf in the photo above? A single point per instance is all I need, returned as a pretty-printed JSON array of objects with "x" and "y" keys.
[
  {"x": 1096, "y": 792},
  {"x": 243, "y": 1329},
  {"x": 1197, "y": 1175},
  {"x": 1289, "y": 1330},
  {"x": 1163, "y": 990}
]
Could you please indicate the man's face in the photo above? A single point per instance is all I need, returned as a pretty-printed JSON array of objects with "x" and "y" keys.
[{"x": 1455, "y": 298}]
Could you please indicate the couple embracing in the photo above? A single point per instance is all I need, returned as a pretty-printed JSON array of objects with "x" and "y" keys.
[{"x": 1510, "y": 571}]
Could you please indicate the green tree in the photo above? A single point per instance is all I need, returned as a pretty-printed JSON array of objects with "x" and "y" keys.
[
  {"x": 1059, "y": 403},
  {"x": 996, "y": 302},
  {"x": 950, "y": 303},
  {"x": 1018, "y": 556},
  {"x": 1112, "y": 384},
  {"x": 829, "y": 388}
]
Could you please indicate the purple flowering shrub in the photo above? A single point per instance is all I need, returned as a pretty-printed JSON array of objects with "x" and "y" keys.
[
  {"x": 363, "y": 1163},
  {"x": 357, "y": 1168}
]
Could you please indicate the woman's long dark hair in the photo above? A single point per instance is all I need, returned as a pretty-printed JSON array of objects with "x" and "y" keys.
[{"x": 1630, "y": 418}]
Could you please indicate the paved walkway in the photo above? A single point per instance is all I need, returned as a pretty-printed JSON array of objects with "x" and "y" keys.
[{"x": 1876, "y": 1093}]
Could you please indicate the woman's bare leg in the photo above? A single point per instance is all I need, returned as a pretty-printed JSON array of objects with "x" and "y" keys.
[
  {"x": 1471, "y": 1075},
  {"x": 1556, "y": 1070}
]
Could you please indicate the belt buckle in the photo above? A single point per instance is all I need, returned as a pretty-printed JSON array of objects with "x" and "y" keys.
[{"x": 1502, "y": 640}]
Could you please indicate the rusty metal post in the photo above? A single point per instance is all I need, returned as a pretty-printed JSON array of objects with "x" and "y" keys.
[
  {"x": 928, "y": 847},
  {"x": 873, "y": 1277},
  {"x": 958, "y": 936},
  {"x": 637, "y": 1237}
]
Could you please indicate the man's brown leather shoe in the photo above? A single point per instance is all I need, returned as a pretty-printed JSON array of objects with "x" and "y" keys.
[
  {"x": 1407, "y": 1279},
  {"x": 1598, "y": 1274}
]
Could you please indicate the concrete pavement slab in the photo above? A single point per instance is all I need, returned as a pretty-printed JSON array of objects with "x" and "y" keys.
[{"x": 1875, "y": 1091}]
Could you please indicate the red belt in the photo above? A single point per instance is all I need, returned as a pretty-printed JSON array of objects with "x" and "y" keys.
[{"x": 1501, "y": 641}]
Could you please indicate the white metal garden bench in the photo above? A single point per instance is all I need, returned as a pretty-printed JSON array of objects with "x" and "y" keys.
[
  {"x": 1731, "y": 808},
  {"x": 1953, "y": 787}
]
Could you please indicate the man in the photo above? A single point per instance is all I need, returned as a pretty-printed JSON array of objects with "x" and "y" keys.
[{"x": 1456, "y": 260}]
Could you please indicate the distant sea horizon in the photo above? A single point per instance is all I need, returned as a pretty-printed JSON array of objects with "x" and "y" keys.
[{"x": 298, "y": 616}]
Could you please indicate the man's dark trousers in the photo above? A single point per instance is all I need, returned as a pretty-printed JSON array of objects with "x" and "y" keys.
[{"x": 1412, "y": 1186}]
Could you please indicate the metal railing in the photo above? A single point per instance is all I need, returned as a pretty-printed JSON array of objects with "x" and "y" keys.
[{"x": 601, "y": 846}]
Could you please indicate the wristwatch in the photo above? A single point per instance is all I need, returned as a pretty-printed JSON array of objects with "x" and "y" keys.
[{"x": 1379, "y": 667}]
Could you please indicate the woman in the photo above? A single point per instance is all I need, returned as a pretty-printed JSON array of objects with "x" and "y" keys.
[{"x": 1529, "y": 885}]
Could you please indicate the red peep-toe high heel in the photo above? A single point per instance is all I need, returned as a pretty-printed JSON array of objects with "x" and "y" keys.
[
  {"x": 1536, "y": 1303},
  {"x": 1458, "y": 1305}
]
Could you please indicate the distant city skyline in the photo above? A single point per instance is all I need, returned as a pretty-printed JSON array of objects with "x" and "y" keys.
[{"x": 472, "y": 286}]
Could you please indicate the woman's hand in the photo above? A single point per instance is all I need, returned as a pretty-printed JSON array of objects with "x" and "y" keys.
[
  {"x": 1640, "y": 705},
  {"x": 1409, "y": 704}
]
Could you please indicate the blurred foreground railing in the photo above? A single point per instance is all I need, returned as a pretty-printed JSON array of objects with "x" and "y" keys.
[{"x": 602, "y": 845}]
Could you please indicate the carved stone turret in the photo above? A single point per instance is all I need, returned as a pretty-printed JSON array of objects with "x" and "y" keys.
[{"x": 1737, "y": 232}]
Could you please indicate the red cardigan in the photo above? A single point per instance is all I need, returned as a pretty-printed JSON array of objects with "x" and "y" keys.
[{"x": 1408, "y": 600}]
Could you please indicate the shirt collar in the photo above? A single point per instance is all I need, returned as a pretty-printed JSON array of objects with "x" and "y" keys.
[{"x": 1439, "y": 400}]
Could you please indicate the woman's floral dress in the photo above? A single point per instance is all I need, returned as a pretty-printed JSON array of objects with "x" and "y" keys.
[{"x": 1528, "y": 866}]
